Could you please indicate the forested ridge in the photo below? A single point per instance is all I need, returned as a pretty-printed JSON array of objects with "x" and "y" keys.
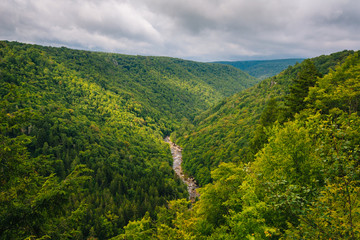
[
  {"x": 263, "y": 68},
  {"x": 235, "y": 129},
  {"x": 289, "y": 169},
  {"x": 167, "y": 88},
  {"x": 83, "y": 156},
  {"x": 82, "y": 149}
]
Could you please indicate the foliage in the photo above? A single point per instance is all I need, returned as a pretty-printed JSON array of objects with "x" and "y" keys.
[
  {"x": 83, "y": 157},
  {"x": 53, "y": 122},
  {"x": 167, "y": 89},
  {"x": 138, "y": 230},
  {"x": 303, "y": 182},
  {"x": 339, "y": 89},
  {"x": 237, "y": 128},
  {"x": 305, "y": 79}
]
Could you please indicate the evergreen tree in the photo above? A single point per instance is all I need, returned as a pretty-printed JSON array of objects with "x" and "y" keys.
[{"x": 305, "y": 79}]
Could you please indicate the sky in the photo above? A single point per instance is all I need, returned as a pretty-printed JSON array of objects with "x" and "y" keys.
[{"x": 200, "y": 30}]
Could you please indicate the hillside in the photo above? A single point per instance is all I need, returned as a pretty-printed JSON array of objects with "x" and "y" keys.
[
  {"x": 263, "y": 68},
  {"x": 299, "y": 178},
  {"x": 169, "y": 88},
  {"x": 82, "y": 149},
  {"x": 231, "y": 131}
]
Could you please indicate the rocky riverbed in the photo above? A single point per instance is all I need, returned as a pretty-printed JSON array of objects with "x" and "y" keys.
[{"x": 177, "y": 160}]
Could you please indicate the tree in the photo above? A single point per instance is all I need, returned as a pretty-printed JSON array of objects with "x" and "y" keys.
[
  {"x": 305, "y": 79},
  {"x": 339, "y": 89}
]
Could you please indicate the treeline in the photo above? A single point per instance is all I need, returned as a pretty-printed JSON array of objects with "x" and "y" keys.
[{"x": 303, "y": 181}]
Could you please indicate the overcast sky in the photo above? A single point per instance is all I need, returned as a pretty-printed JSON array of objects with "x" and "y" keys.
[{"x": 203, "y": 30}]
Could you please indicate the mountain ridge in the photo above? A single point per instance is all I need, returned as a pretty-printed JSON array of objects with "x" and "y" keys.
[
  {"x": 263, "y": 68},
  {"x": 83, "y": 155},
  {"x": 236, "y": 117},
  {"x": 82, "y": 132},
  {"x": 279, "y": 160}
]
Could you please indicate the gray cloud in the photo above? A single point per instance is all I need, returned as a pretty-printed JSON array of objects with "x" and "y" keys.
[{"x": 203, "y": 30}]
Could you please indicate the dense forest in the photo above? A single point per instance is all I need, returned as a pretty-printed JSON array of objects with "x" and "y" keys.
[
  {"x": 168, "y": 89},
  {"x": 82, "y": 149},
  {"x": 263, "y": 68},
  {"x": 235, "y": 129},
  {"x": 83, "y": 156},
  {"x": 294, "y": 175}
]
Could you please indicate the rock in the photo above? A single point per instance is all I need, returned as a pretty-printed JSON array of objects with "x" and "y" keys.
[{"x": 189, "y": 181}]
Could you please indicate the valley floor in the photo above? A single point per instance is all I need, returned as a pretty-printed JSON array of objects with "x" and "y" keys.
[{"x": 189, "y": 181}]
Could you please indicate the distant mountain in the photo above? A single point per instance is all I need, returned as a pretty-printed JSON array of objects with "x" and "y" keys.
[{"x": 263, "y": 68}]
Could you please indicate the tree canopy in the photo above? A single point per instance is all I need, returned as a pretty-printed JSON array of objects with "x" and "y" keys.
[{"x": 82, "y": 154}]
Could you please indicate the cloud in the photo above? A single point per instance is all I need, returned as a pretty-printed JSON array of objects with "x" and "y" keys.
[{"x": 198, "y": 29}]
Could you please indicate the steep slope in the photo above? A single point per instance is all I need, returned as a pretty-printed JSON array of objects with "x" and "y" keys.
[
  {"x": 304, "y": 182},
  {"x": 82, "y": 149},
  {"x": 56, "y": 126},
  {"x": 263, "y": 68},
  {"x": 169, "y": 88},
  {"x": 233, "y": 130}
]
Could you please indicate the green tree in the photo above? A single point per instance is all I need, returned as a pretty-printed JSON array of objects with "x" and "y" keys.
[
  {"x": 305, "y": 79},
  {"x": 138, "y": 230},
  {"x": 339, "y": 89}
]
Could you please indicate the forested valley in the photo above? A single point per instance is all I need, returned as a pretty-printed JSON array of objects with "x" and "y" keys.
[
  {"x": 83, "y": 157},
  {"x": 82, "y": 149}
]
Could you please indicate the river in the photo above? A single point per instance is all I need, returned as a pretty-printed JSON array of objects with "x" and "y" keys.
[{"x": 177, "y": 160}]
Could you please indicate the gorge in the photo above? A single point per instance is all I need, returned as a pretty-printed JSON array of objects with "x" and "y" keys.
[{"x": 177, "y": 161}]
